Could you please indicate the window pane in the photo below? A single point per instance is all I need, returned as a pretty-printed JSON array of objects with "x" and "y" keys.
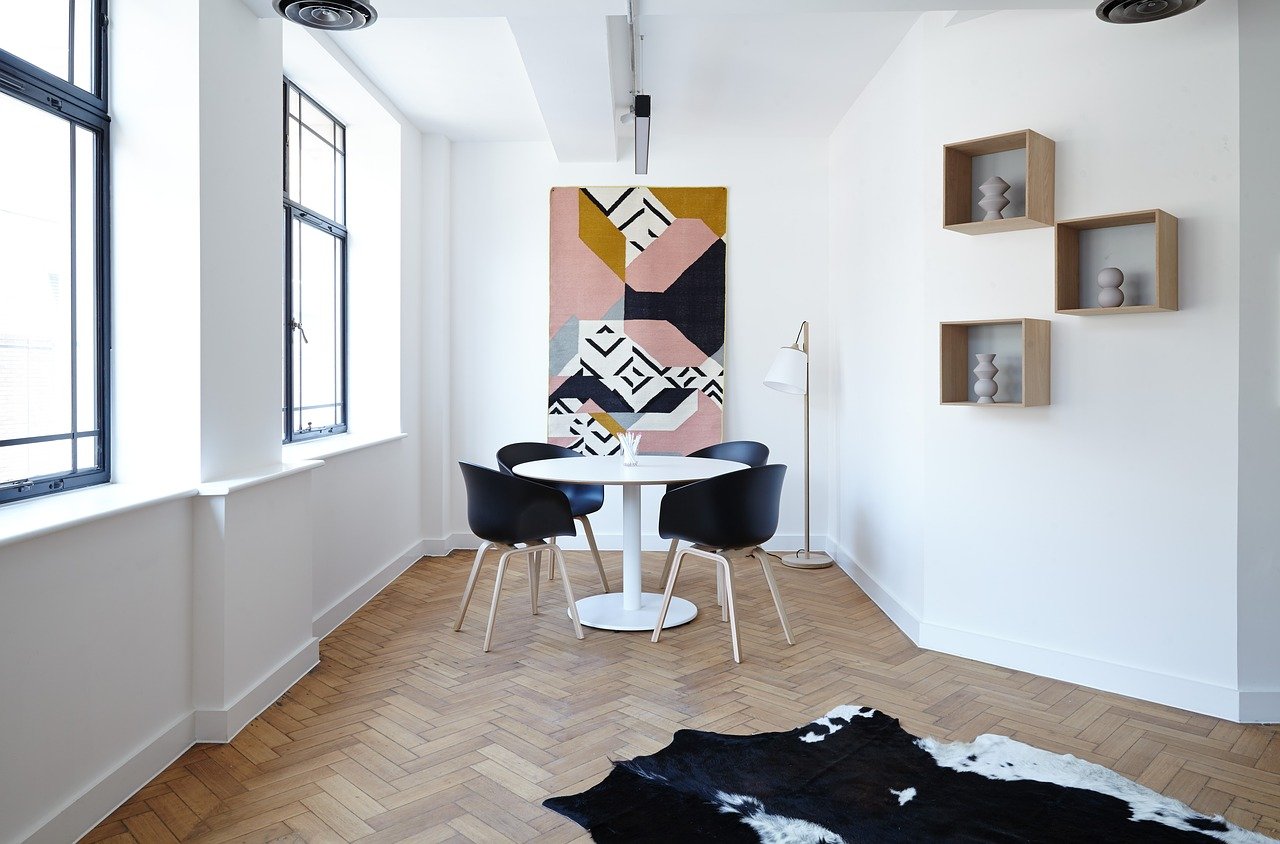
[
  {"x": 294, "y": 163},
  {"x": 86, "y": 298},
  {"x": 318, "y": 359},
  {"x": 40, "y": 33},
  {"x": 317, "y": 176},
  {"x": 35, "y": 275},
  {"x": 23, "y": 462}
]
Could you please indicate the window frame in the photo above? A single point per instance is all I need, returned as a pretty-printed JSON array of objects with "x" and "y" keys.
[
  {"x": 304, "y": 216},
  {"x": 36, "y": 87}
]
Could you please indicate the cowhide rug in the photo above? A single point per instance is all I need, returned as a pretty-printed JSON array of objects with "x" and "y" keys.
[{"x": 857, "y": 776}]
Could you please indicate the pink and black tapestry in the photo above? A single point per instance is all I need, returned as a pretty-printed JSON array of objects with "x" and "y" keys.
[{"x": 637, "y": 317}]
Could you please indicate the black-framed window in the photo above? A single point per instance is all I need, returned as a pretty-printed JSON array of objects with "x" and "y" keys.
[
  {"x": 54, "y": 240},
  {"x": 315, "y": 269}
]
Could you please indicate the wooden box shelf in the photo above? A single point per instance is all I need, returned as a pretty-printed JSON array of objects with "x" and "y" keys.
[
  {"x": 957, "y": 362},
  {"x": 1070, "y": 275},
  {"x": 958, "y": 188}
]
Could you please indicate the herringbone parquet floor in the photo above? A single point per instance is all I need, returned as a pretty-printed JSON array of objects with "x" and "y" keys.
[{"x": 406, "y": 731}]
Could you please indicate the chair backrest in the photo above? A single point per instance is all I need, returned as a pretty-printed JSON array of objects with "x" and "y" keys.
[
  {"x": 734, "y": 510},
  {"x": 510, "y": 456},
  {"x": 507, "y": 509},
  {"x": 740, "y": 451}
]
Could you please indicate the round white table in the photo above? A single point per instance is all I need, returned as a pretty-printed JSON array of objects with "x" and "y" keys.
[{"x": 634, "y": 609}]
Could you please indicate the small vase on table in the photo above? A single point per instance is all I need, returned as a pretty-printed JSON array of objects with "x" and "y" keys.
[{"x": 630, "y": 448}]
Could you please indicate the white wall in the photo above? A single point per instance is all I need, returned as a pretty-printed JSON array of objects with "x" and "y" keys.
[
  {"x": 127, "y": 637},
  {"x": 95, "y": 652},
  {"x": 1094, "y": 539},
  {"x": 1259, "y": 579},
  {"x": 498, "y": 297}
]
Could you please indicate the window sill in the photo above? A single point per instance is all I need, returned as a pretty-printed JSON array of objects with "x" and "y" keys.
[
  {"x": 327, "y": 447},
  {"x": 29, "y": 519},
  {"x": 273, "y": 473}
]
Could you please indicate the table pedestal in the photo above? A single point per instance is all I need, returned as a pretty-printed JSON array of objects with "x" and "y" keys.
[{"x": 633, "y": 609}]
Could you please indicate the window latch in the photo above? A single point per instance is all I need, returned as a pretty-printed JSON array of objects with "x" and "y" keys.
[{"x": 297, "y": 326}]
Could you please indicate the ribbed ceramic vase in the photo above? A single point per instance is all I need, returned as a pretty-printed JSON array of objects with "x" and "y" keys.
[
  {"x": 985, "y": 388},
  {"x": 993, "y": 199},
  {"x": 1109, "y": 294}
]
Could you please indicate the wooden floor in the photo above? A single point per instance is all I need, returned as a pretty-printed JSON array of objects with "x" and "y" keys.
[{"x": 406, "y": 731}]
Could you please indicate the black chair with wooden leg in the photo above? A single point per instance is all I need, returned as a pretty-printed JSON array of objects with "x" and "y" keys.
[
  {"x": 584, "y": 499},
  {"x": 740, "y": 451},
  {"x": 515, "y": 516},
  {"x": 727, "y": 518}
]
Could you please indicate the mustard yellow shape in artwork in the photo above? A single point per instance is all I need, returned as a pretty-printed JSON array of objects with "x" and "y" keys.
[
  {"x": 710, "y": 205},
  {"x": 608, "y": 423},
  {"x": 601, "y": 236}
]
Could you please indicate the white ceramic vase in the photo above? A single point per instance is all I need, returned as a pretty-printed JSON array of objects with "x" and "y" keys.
[
  {"x": 993, "y": 199},
  {"x": 985, "y": 388},
  {"x": 1109, "y": 294}
]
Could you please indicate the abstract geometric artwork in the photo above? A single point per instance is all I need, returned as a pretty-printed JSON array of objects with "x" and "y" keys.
[{"x": 637, "y": 317}]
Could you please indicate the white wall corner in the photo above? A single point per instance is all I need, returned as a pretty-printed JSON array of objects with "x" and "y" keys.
[
  {"x": 1259, "y": 706},
  {"x": 328, "y": 619},
  {"x": 898, "y": 613},
  {"x": 222, "y": 725}
]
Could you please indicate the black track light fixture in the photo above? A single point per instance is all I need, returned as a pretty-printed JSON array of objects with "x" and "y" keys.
[
  {"x": 642, "y": 108},
  {"x": 1142, "y": 11}
]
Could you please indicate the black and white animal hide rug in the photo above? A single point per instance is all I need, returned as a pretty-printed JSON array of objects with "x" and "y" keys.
[{"x": 857, "y": 776}]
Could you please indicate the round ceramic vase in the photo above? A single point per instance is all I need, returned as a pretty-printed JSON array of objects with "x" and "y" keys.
[{"x": 1109, "y": 293}]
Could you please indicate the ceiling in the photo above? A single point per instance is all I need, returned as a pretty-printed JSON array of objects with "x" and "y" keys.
[{"x": 559, "y": 70}]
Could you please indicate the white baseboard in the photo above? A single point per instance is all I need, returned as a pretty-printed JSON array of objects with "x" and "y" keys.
[
  {"x": 439, "y": 547},
  {"x": 1260, "y": 706},
  {"x": 1128, "y": 680},
  {"x": 905, "y": 620},
  {"x": 345, "y": 607},
  {"x": 87, "y": 810},
  {"x": 221, "y": 725}
]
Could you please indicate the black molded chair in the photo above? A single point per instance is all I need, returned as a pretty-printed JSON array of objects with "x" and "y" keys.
[
  {"x": 584, "y": 499},
  {"x": 507, "y": 512},
  {"x": 726, "y": 517},
  {"x": 741, "y": 451}
]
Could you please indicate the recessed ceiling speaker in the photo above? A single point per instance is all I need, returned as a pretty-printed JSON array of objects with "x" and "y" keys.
[
  {"x": 331, "y": 15},
  {"x": 1142, "y": 11}
]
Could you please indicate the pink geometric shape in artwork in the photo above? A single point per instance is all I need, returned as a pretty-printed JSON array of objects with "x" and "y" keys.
[
  {"x": 657, "y": 268},
  {"x": 664, "y": 342},
  {"x": 589, "y": 406},
  {"x": 581, "y": 284},
  {"x": 700, "y": 430},
  {"x": 557, "y": 381}
]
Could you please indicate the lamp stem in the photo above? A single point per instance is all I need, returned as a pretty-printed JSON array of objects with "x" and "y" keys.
[{"x": 804, "y": 331}]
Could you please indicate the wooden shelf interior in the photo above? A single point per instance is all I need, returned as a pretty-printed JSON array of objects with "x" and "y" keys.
[
  {"x": 1021, "y": 347},
  {"x": 1024, "y": 159},
  {"x": 1142, "y": 244}
]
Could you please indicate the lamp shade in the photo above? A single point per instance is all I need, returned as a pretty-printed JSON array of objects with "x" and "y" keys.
[{"x": 787, "y": 374}]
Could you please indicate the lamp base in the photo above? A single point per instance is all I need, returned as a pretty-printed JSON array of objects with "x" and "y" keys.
[{"x": 807, "y": 560}]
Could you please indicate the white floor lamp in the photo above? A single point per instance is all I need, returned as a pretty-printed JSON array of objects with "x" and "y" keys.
[{"x": 790, "y": 374}]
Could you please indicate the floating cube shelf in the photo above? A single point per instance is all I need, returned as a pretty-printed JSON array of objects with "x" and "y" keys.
[
  {"x": 957, "y": 362},
  {"x": 959, "y": 189},
  {"x": 1072, "y": 278}
]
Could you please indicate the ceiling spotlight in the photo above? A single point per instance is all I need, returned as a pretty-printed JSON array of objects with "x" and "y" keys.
[
  {"x": 330, "y": 15},
  {"x": 1141, "y": 11},
  {"x": 642, "y": 134}
]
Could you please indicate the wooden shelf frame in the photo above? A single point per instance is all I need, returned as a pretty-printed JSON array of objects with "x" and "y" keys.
[
  {"x": 957, "y": 182},
  {"x": 1067, "y": 261},
  {"x": 956, "y": 364}
]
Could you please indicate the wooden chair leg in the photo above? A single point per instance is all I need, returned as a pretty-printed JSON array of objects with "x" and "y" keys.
[
  {"x": 777, "y": 598},
  {"x": 551, "y": 569},
  {"x": 729, "y": 605},
  {"x": 471, "y": 583},
  {"x": 558, "y": 559},
  {"x": 666, "y": 567},
  {"x": 497, "y": 589},
  {"x": 724, "y": 605},
  {"x": 595, "y": 551},
  {"x": 535, "y": 569},
  {"x": 667, "y": 592}
]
